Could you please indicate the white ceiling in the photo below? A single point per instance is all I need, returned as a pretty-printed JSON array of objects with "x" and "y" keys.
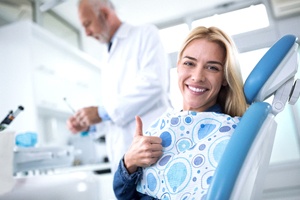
[{"x": 149, "y": 11}]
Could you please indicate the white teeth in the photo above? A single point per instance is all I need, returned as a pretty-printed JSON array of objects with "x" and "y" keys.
[{"x": 196, "y": 89}]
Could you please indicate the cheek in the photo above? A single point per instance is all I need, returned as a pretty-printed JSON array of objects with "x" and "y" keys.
[
  {"x": 179, "y": 82},
  {"x": 216, "y": 83},
  {"x": 180, "y": 78}
]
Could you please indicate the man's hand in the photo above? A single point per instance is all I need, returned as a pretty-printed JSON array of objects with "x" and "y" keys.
[
  {"x": 88, "y": 116},
  {"x": 144, "y": 150},
  {"x": 74, "y": 126},
  {"x": 83, "y": 118}
]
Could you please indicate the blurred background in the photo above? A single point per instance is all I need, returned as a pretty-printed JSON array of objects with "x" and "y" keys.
[{"x": 46, "y": 59}]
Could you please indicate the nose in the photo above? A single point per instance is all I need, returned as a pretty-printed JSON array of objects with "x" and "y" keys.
[{"x": 198, "y": 74}]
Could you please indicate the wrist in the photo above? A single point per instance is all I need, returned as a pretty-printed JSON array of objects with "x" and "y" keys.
[
  {"x": 131, "y": 168},
  {"x": 102, "y": 113}
]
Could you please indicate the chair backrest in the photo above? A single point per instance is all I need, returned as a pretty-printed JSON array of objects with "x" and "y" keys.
[{"x": 241, "y": 171}]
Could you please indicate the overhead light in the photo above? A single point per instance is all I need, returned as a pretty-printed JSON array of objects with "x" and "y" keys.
[
  {"x": 47, "y": 5},
  {"x": 284, "y": 8}
]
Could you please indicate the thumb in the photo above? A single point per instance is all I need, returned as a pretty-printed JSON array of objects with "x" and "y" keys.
[{"x": 139, "y": 126}]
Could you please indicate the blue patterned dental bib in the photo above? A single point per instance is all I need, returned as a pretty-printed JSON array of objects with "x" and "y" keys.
[{"x": 193, "y": 143}]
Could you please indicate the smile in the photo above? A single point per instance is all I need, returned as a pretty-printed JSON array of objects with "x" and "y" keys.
[{"x": 194, "y": 89}]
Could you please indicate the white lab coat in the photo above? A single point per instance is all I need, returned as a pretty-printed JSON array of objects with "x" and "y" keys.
[{"x": 134, "y": 82}]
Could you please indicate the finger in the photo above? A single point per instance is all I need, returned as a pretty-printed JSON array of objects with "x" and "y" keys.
[
  {"x": 71, "y": 123},
  {"x": 83, "y": 123},
  {"x": 77, "y": 114},
  {"x": 156, "y": 155},
  {"x": 139, "y": 126},
  {"x": 155, "y": 140},
  {"x": 149, "y": 161},
  {"x": 156, "y": 147},
  {"x": 153, "y": 154}
]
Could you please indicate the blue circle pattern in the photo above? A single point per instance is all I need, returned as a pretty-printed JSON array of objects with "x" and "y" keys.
[
  {"x": 193, "y": 143},
  {"x": 166, "y": 139}
]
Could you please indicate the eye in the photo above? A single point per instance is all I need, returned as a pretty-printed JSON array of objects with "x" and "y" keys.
[
  {"x": 214, "y": 68},
  {"x": 86, "y": 24},
  {"x": 188, "y": 63}
]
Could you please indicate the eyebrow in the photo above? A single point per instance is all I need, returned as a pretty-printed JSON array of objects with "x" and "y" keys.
[{"x": 211, "y": 62}]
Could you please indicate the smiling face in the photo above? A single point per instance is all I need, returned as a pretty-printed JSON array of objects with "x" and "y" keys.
[
  {"x": 94, "y": 23},
  {"x": 201, "y": 74}
]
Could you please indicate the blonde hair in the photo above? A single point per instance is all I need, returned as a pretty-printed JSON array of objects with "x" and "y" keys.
[{"x": 231, "y": 97}]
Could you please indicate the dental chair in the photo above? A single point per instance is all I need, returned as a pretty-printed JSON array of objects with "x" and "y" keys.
[{"x": 242, "y": 170}]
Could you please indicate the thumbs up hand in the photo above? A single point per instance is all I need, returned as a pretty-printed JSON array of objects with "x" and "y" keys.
[{"x": 144, "y": 150}]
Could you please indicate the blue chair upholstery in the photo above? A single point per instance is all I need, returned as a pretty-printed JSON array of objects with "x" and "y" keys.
[
  {"x": 241, "y": 171},
  {"x": 266, "y": 67}
]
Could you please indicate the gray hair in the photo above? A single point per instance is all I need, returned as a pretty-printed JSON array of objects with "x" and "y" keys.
[{"x": 97, "y": 3}]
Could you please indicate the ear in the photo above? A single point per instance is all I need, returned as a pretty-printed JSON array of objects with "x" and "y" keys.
[{"x": 104, "y": 12}]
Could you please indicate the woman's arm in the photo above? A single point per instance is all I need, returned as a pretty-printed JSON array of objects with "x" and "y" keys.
[
  {"x": 124, "y": 184},
  {"x": 144, "y": 151}
]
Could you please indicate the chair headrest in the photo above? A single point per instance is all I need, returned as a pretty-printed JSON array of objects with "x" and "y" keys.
[{"x": 260, "y": 83}]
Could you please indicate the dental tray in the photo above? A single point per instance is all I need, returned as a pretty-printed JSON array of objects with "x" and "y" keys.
[{"x": 42, "y": 158}]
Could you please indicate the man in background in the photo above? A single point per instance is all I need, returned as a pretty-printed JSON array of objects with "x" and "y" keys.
[{"x": 135, "y": 80}]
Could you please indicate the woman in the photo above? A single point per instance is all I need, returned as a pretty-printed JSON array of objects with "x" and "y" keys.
[{"x": 177, "y": 156}]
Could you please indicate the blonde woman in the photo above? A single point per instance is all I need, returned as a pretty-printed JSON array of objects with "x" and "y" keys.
[{"x": 177, "y": 156}]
